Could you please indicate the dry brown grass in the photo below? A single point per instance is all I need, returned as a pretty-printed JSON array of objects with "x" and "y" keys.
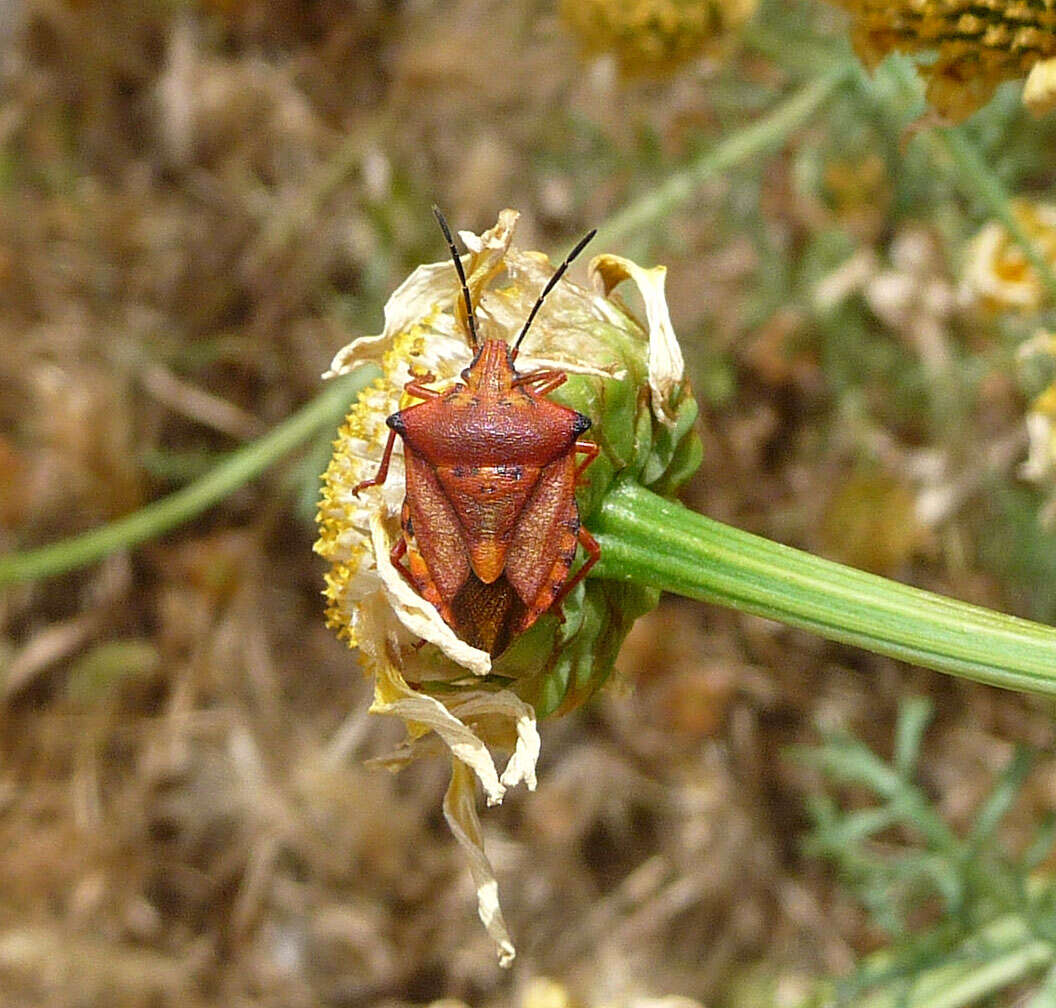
[{"x": 197, "y": 204}]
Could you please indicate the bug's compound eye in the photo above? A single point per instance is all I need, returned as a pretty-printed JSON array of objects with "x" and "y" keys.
[{"x": 465, "y": 374}]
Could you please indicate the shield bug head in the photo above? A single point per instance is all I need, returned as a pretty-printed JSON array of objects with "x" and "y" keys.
[{"x": 489, "y": 521}]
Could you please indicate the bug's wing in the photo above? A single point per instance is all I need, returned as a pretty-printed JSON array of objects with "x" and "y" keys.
[
  {"x": 539, "y": 558},
  {"x": 436, "y": 531}
]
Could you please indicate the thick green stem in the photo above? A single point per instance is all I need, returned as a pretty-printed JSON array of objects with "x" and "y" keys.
[
  {"x": 242, "y": 466},
  {"x": 647, "y": 539}
]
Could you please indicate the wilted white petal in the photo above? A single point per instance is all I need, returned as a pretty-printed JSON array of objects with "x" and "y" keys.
[
  {"x": 460, "y": 811},
  {"x": 521, "y": 766},
  {"x": 412, "y": 300},
  {"x": 666, "y": 366},
  {"x": 424, "y": 712},
  {"x": 418, "y": 615},
  {"x": 497, "y": 238},
  {"x": 508, "y": 709}
]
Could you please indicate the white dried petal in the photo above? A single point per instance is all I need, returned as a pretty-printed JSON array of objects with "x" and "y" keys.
[
  {"x": 418, "y": 615},
  {"x": 508, "y": 709},
  {"x": 521, "y": 765},
  {"x": 426, "y": 713},
  {"x": 497, "y": 238},
  {"x": 666, "y": 365},
  {"x": 415, "y": 299},
  {"x": 460, "y": 811}
]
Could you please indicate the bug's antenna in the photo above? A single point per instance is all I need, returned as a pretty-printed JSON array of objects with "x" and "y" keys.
[
  {"x": 549, "y": 287},
  {"x": 470, "y": 318}
]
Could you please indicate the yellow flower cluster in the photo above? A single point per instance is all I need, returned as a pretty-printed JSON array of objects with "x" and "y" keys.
[
  {"x": 977, "y": 44},
  {"x": 997, "y": 274},
  {"x": 998, "y": 277},
  {"x": 649, "y": 38},
  {"x": 1040, "y": 464}
]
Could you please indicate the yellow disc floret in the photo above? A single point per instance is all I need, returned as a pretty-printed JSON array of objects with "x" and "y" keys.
[{"x": 977, "y": 44}]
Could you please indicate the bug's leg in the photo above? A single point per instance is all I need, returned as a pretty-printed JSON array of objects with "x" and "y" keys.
[
  {"x": 383, "y": 469},
  {"x": 396, "y": 555},
  {"x": 590, "y": 544},
  {"x": 546, "y": 380},
  {"x": 590, "y": 450},
  {"x": 416, "y": 387}
]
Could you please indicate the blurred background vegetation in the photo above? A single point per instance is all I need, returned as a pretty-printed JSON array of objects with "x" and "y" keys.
[{"x": 200, "y": 203}]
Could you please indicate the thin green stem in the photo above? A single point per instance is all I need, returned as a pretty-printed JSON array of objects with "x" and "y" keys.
[
  {"x": 154, "y": 519},
  {"x": 647, "y": 539},
  {"x": 255, "y": 458},
  {"x": 1001, "y": 953},
  {"x": 760, "y": 136},
  {"x": 991, "y": 977},
  {"x": 980, "y": 182}
]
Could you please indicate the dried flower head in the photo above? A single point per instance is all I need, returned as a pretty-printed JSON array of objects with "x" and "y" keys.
[
  {"x": 976, "y": 46},
  {"x": 997, "y": 274},
  {"x": 650, "y": 38},
  {"x": 627, "y": 377}
]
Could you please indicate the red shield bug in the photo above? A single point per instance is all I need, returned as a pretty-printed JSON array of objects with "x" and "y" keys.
[{"x": 490, "y": 523}]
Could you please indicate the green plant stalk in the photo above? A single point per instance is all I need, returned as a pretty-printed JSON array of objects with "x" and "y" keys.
[
  {"x": 760, "y": 136},
  {"x": 326, "y": 410},
  {"x": 1001, "y": 953},
  {"x": 647, "y": 539}
]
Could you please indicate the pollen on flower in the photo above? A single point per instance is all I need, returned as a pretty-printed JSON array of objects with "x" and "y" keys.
[
  {"x": 976, "y": 45},
  {"x": 344, "y": 518}
]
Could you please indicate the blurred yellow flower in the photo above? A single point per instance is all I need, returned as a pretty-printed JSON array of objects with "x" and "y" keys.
[
  {"x": 649, "y": 38},
  {"x": 1041, "y": 419},
  {"x": 997, "y": 274},
  {"x": 977, "y": 45}
]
